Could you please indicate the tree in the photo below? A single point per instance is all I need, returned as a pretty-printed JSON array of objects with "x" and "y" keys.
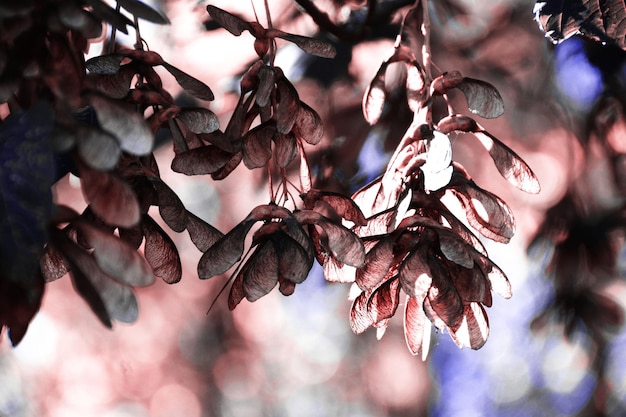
[{"x": 397, "y": 238}]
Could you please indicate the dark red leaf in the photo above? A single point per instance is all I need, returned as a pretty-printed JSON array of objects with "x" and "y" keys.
[
  {"x": 236, "y": 290},
  {"x": 257, "y": 145},
  {"x": 384, "y": 301},
  {"x": 227, "y": 169},
  {"x": 342, "y": 205},
  {"x": 202, "y": 234},
  {"x": 171, "y": 208},
  {"x": 160, "y": 252},
  {"x": 190, "y": 84},
  {"x": 288, "y": 107},
  {"x": 230, "y": 22},
  {"x": 199, "y": 120},
  {"x": 225, "y": 252},
  {"x": 261, "y": 274},
  {"x": 109, "y": 197},
  {"x": 201, "y": 161},
  {"x": 52, "y": 263},
  {"x": 308, "y": 125},
  {"x": 483, "y": 98},
  {"x": 115, "y": 86},
  {"x": 443, "y": 296},
  {"x": 294, "y": 263},
  {"x": 285, "y": 149},
  {"x": 266, "y": 82},
  {"x": 133, "y": 236},
  {"x": 378, "y": 263},
  {"x": 311, "y": 46},
  {"x": 104, "y": 64},
  {"x": 415, "y": 87},
  {"x": 286, "y": 287}
]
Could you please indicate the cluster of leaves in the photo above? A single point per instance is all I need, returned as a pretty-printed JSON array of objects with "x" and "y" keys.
[
  {"x": 68, "y": 115},
  {"x": 98, "y": 119}
]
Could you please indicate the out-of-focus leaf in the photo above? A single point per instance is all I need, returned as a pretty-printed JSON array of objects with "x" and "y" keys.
[
  {"x": 98, "y": 148},
  {"x": 90, "y": 294},
  {"x": 104, "y": 64},
  {"x": 116, "y": 85},
  {"x": 257, "y": 145},
  {"x": 199, "y": 120},
  {"x": 201, "y": 161},
  {"x": 160, "y": 252},
  {"x": 27, "y": 172},
  {"x": 287, "y": 110},
  {"x": 416, "y": 328},
  {"x": 415, "y": 87},
  {"x": 190, "y": 84},
  {"x": 483, "y": 98},
  {"x": 143, "y": 11},
  {"x": 375, "y": 96},
  {"x": 202, "y": 234},
  {"x": 474, "y": 329},
  {"x": 117, "y": 258},
  {"x": 230, "y": 22},
  {"x": 308, "y": 125},
  {"x": 109, "y": 197},
  {"x": 309, "y": 45},
  {"x": 604, "y": 21},
  {"x": 128, "y": 126},
  {"x": 225, "y": 252},
  {"x": 106, "y": 13},
  {"x": 261, "y": 275}
]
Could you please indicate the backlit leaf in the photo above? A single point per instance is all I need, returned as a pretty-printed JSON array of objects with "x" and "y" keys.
[
  {"x": 98, "y": 148},
  {"x": 360, "y": 319},
  {"x": 416, "y": 328},
  {"x": 483, "y": 98},
  {"x": 443, "y": 296},
  {"x": 474, "y": 328},
  {"x": 375, "y": 96},
  {"x": 384, "y": 301},
  {"x": 378, "y": 262}
]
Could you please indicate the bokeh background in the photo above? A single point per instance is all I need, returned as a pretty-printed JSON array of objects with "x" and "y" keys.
[{"x": 296, "y": 356}]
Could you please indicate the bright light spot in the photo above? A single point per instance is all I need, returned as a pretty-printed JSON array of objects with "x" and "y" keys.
[
  {"x": 175, "y": 400},
  {"x": 564, "y": 366},
  {"x": 480, "y": 209},
  {"x": 74, "y": 181},
  {"x": 39, "y": 346},
  {"x": 84, "y": 382},
  {"x": 511, "y": 379}
]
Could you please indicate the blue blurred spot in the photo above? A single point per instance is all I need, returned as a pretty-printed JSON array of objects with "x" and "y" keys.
[
  {"x": 577, "y": 79},
  {"x": 572, "y": 402},
  {"x": 372, "y": 158}
]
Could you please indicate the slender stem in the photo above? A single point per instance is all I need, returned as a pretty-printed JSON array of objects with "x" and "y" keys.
[
  {"x": 111, "y": 46},
  {"x": 271, "y": 183},
  {"x": 138, "y": 42},
  {"x": 426, "y": 53}
]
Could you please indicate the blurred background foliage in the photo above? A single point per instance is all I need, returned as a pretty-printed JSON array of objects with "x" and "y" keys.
[{"x": 556, "y": 348}]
